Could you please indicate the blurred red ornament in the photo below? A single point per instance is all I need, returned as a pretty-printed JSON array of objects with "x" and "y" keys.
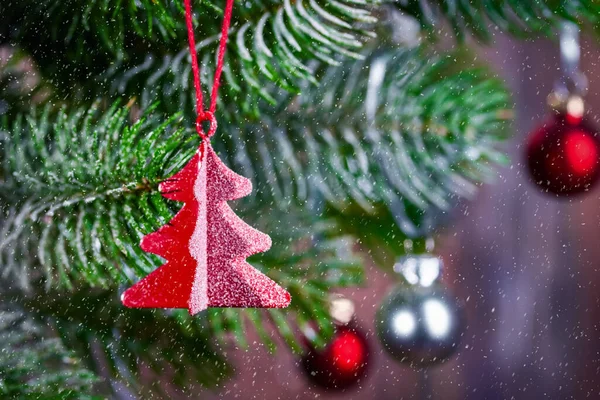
[
  {"x": 563, "y": 155},
  {"x": 340, "y": 364}
]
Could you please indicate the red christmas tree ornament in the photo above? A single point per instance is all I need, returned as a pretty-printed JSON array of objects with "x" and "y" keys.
[
  {"x": 343, "y": 362},
  {"x": 563, "y": 155},
  {"x": 205, "y": 245}
]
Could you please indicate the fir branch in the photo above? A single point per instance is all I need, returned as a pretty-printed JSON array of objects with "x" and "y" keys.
[
  {"x": 74, "y": 40},
  {"x": 272, "y": 42},
  {"x": 134, "y": 347},
  {"x": 433, "y": 137},
  {"x": 279, "y": 44},
  {"x": 36, "y": 366},
  {"x": 519, "y": 18},
  {"x": 111, "y": 25},
  {"x": 268, "y": 50},
  {"x": 397, "y": 130},
  {"x": 80, "y": 191}
]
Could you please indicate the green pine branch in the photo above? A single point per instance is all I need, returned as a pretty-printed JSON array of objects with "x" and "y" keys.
[
  {"x": 80, "y": 189},
  {"x": 482, "y": 18},
  {"x": 71, "y": 41},
  {"x": 273, "y": 49},
  {"x": 111, "y": 25},
  {"x": 136, "y": 347},
  {"x": 399, "y": 130},
  {"x": 33, "y": 365},
  {"x": 272, "y": 43},
  {"x": 432, "y": 136}
]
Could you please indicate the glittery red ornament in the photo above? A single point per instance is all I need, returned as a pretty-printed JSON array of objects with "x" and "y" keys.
[
  {"x": 563, "y": 155},
  {"x": 205, "y": 246},
  {"x": 342, "y": 363}
]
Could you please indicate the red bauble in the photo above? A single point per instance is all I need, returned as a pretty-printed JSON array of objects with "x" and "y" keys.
[
  {"x": 342, "y": 363},
  {"x": 563, "y": 155}
]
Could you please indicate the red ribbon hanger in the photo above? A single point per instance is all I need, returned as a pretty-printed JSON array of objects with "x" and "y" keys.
[{"x": 202, "y": 114}]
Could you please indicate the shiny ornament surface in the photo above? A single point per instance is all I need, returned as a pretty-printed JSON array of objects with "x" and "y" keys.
[
  {"x": 342, "y": 363},
  {"x": 563, "y": 155},
  {"x": 419, "y": 325}
]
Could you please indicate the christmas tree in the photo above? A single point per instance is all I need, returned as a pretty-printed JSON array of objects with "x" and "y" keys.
[{"x": 351, "y": 121}]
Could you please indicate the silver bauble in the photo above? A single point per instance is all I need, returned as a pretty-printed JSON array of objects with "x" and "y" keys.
[{"x": 420, "y": 323}]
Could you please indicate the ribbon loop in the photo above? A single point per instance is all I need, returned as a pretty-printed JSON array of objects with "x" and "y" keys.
[
  {"x": 203, "y": 117},
  {"x": 202, "y": 114}
]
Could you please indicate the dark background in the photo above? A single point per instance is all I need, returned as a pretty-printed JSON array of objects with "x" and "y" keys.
[{"x": 525, "y": 264}]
